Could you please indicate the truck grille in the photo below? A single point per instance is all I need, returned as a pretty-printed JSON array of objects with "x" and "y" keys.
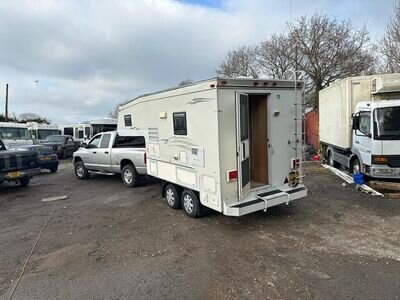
[
  {"x": 394, "y": 161},
  {"x": 18, "y": 162}
]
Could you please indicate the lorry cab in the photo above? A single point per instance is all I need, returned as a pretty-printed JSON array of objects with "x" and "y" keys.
[{"x": 376, "y": 138}]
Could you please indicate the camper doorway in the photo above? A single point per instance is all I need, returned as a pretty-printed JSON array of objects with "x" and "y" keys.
[{"x": 252, "y": 141}]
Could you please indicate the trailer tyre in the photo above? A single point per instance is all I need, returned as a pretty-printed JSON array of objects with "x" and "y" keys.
[
  {"x": 355, "y": 166},
  {"x": 80, "y": 171},
  {"x": 129, "y": 175},
  {"x": 191, "y": 204},
  {"x": 173, "y": 196}
]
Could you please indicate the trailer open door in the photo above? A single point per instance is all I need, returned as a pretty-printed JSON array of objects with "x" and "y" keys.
[{"x": 243, "y": 144}]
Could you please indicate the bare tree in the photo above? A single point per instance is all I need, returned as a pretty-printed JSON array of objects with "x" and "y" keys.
[
  {"x": 329, "y": 50},
  {"x": 113, "y": 113},
  {"x": 323, "y": 48},
  {"x": 32, "y": 117},
  {"x": 186, "y": 82},
  {"x": 389, "y": 46},
  {"x": 239, "y": 62}
]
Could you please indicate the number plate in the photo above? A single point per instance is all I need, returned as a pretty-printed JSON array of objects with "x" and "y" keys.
[
  {"x": 46, "y": 158},
  {"x": 14, "y": 174}
]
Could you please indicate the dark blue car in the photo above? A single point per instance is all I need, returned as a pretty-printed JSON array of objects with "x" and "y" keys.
[{"x": 48, "y": 159}]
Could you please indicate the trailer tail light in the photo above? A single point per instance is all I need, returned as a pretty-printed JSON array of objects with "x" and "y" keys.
[
  {"x": 295, "y": 163},
  {"x": 145, "y": 158},
  {"x": 232, "y": 175}
]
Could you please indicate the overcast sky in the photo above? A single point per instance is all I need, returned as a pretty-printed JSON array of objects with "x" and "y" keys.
[{"x": 90, "y": 55}]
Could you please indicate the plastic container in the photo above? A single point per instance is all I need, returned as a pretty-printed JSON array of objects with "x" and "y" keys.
[{"x": 358, "y": 179}]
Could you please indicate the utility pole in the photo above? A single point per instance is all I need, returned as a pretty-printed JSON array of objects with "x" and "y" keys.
[{"x": 6, "y": 112}]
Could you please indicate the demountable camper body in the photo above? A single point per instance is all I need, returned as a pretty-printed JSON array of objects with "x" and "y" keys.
[{"x": 235, "y": 144}]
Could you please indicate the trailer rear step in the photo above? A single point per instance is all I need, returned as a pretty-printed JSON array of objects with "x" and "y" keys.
[{"x": 264, "y": 200}]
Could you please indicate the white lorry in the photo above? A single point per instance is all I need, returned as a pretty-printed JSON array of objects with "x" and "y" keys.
[
  {"x": 232, "y": 145},
  {"x": 115, "y": 152},
  {"x": 360, "y": 124},
  {"x": 14, "y": 134}
]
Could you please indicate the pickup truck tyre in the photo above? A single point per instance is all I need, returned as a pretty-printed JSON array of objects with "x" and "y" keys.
[
  {"x": 53, "y": 170},
  {"x": 173, "y": 196},
  {"x": 191, "y": 204},
  {"x": 24, "y": 181},
  {"x": 80, "y": 171},
  {"x": 129, "y": 175}
]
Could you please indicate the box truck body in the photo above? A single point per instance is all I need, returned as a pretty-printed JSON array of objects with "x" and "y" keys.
[
  {"x": 365, "y": 99},
  {"x": 232, "y": 143}
]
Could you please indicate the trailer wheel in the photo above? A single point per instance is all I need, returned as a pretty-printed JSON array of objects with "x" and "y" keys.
[
  {"x": 173, "y": 195},
  {"x": 191, "y": 204},
  {"x": 331, "y": 161},
  {"x": 80, "y": 171},
  {"x": 355, "y": 166},
  {"x": 129, "y": 175}
]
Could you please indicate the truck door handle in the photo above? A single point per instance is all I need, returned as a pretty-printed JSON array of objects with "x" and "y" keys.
[
  {"x": 94, "y": 152},
  {"x": 357, "y": 142},
  {"x": 106, "y": 152}
]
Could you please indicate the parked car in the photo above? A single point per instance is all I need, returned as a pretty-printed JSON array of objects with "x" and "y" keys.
[
  {"x": 63, "y": 145},
  {"x": 48, "y": 159},
  {"x": 114, "y": 152},
  {"x": 18, "y": 165}
]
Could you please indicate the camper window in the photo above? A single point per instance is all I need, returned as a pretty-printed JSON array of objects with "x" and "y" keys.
[
  {"x": 128, "y": 120},
  {"x": 180, "y": 123}
]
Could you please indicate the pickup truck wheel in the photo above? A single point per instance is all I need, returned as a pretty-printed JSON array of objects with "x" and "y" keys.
[
  {"x": 53, "y": 170},
  {"x": 191, "y": 204},
  {"x": 24, "y": 181},
  {"x": 80, "y": 171},
  {"x": 172, "y": 195},
  {"x": 129, "y": 175}
]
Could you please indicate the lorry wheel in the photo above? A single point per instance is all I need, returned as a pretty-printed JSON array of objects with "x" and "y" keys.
[
  {"x": 172, "y": 194},
  {"x": 331, "y": 161},
  {"x": 191, "y": 204},
  {"x": 130, "y": 177},
  {"x": 25, "y": 181},
  {"x": 80, "y": 171},
  {"x": 355, "y": 166}
]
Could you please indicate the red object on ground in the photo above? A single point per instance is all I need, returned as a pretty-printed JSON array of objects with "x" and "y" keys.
[{"x": 316, "y": 157}]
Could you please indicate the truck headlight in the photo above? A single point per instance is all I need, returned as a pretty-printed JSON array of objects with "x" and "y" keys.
[{"x": 379, "y": 160}]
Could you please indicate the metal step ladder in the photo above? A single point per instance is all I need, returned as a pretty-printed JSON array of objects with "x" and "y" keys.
[{"x": 299, "y": 129}]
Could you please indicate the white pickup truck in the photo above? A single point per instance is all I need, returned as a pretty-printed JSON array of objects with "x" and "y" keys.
[{"x": 114, "y": 152}]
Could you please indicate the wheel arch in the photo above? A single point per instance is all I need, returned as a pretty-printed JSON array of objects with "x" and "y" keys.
[{"x": 124, "y": 162}]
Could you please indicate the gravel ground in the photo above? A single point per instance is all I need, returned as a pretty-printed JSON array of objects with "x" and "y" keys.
[{"x": 111, "y": 242}]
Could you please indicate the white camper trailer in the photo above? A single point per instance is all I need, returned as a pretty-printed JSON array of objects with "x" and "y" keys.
[
  {"x": 232, "y": 145},
  {"x": 39, "y": 132},
  {"x": 102, "y": 125},
  {"x": 15, "y": 134}
]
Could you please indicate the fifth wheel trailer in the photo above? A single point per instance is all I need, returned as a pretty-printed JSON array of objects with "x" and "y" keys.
[
  {"x": 360, "y": 124},
  {"x": 232, "y": 145}
]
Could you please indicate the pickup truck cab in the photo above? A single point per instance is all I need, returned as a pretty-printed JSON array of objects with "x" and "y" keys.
[
  {"x": 114, "y": 152},
  {"x": 63, "y": 145},
  {"x": 18, "y": 165}
]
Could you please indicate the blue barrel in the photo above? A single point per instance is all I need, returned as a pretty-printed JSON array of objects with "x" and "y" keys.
[{"x": 358, "y": 179}]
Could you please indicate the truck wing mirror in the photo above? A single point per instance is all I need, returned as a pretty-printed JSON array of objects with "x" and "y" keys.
[{"x": 356, "y": 122}]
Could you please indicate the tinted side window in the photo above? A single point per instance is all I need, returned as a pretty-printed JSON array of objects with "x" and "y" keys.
[
  {"x": 105, "y": 141},
  {"x": 128, "y": 120},
  {"x": 180, "y": 123},
  {"x": 130, "y": 142}
]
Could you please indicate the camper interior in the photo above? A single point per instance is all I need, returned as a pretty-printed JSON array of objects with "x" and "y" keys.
[{"x": 252, "y": 134}]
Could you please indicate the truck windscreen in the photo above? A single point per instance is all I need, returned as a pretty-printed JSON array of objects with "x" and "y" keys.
[
  {"x": 44, "y": 133},
  {"x": 14, "y": 133},
  {"x": 388, "y": 125}
]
